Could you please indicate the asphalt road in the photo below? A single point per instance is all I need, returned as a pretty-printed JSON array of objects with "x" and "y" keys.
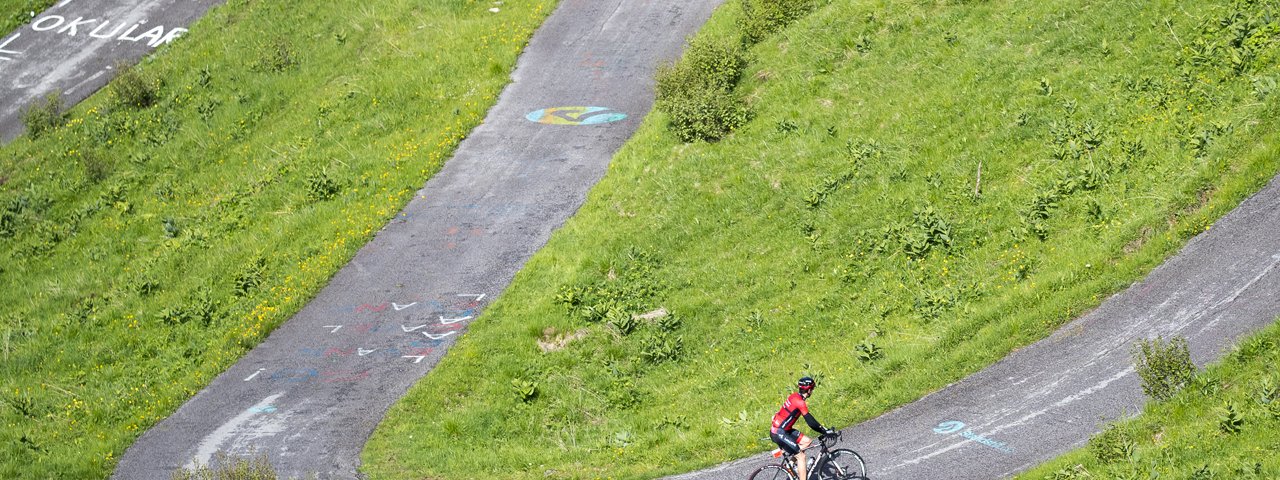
[
  {"x": 1050, "y": 397},
  {"x": 75, "y": 46},
  {"x": 311, "y": 394}
]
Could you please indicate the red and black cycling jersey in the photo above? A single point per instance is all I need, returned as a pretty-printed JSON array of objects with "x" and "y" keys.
[{"x": 792, "y": 409}]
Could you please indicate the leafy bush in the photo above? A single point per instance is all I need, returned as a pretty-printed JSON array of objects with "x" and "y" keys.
[
  {"x": 250, "y": 277},
  {"x": 761, "y": 18},
  {"x": 43, "y": 116},
  {"x": 661, "y": 347},
  {"x": 320, "y": 186},
  {"x": 1230, "y": 421},
  {"x": 1165, "y": 367},
  {"x": 134, "y": 90},
  {"x": 667, "y": 323},
  {"x": 96, "y": 167},
  {"x": 276, "y": 56},
  {"x": 697, "y": 94},
  {"x": 1111, "y": 445},
  {"x": 628, "y": 287},
  {"x": 624, "y": 323},
  {"x": 224, "y": 467},
  {"x": 525, "y": 391},
  {"x": 868, "y": 351}
]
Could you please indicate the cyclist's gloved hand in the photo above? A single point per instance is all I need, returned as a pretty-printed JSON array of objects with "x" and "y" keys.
[{"x": 830, "y": 432}]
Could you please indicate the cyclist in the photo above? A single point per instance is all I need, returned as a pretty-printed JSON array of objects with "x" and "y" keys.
[{"x": 790, "y": 440}]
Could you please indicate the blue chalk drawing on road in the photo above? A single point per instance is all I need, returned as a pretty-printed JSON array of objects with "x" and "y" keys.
[
  {"x": 948, "y": 427},
  {"x": 952, "y": 426}
]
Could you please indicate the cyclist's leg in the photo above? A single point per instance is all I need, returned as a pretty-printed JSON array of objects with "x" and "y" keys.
[
  {"x": 802, "y": 463},
  {"x": 786, "y": 441}
]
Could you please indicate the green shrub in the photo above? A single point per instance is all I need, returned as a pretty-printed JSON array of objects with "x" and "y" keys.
[
  {"x": 1111, "y": 445},
  {"x": 96, "y": 167},
  {"x": 320, "y": 186},
  {"x": 43, "y": 116},
  {"x": 250, "y": 277},
  {"x": 868, "y": 351},
  {"x": 621, "y": 321},
  {"x": 134, "y": 90},
  {"x": 661, "y": 347},
  {"x": 224, "y": 467},
  {"x": 761, "y": 18},
  {"x": 276, "y": 56},
  {"x": 1230, "y": 421},
  {"x": 525, "y": 391},
  {"x": 697, "y": 94},
  {"x": 1165, "y": 367}
]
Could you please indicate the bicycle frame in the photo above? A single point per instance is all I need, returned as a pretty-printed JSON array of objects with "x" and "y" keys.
[{"x": 789, "y": 461}]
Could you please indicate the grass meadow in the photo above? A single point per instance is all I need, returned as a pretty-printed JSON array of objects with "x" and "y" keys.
[
  {"x": 16, "y": 13},
  {"x": 1224, "y": 424},
  {"x": 160, "y": 229},
  {"x": 923, "y": 186}
]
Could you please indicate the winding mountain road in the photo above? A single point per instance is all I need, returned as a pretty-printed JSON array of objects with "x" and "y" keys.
[
  {"x": 311, "y": 394},
  {"x": 1050, "y": 397}
]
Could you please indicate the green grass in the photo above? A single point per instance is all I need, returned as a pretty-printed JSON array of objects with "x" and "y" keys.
[
  {"x": 147, "y": 248},
  {"x": 1224, "y": 424},
  {"x": 845, "y": 215},
  {"x": 16, "y": 13}
]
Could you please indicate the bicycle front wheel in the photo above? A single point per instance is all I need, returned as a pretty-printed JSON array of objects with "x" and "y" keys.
[
  {"x": 842, "y": 464},
  {"x": 771, "y": 472}
]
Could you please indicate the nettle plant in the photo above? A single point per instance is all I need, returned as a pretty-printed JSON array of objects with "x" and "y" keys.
[
  {"x": 1164, "y": 366},
  {"x": 625, "y": 301}
]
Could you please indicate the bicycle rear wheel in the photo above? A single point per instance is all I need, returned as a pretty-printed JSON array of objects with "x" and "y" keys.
[
  {"x": 842, "y": 464},
  {"x": 771, "y": 472}
]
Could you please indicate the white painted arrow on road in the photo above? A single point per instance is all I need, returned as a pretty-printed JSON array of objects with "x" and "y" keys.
[
  {"x": 417, "y": 357},
  {"x": 362, "y": 352},
  {"x": 437, "y": 337},
  {"x": 479, "y": 296},
  {"x": 399, "y": 307},
  {"x": 407, "y": 329},
  {"x": 451, "y": 321}
]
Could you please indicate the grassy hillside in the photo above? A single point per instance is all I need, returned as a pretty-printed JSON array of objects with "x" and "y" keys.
[
  {"x": 16, "y": 13},
  {"x": 922, "y": 188},
  {"x": 169, "y": 223},
  {"x": 1225, "y": 424}
]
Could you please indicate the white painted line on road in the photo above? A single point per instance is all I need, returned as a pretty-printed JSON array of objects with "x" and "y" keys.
[
  {"x": 479, "y": 296},
  {"x": 437, "y": 337},
  {"x": 450, "y": 321},
  {"x": 399, "y": 307},
  {"x": 407, "y": 329},
  {"x": 209, "y": 446},
  {"x": 334, "y": 327},
  {"x": 1275, "y": 260},
  {"x": 417, "y": 357},
  {"x": 260, "y": 370},
  {"x": 9, "y": 52}
]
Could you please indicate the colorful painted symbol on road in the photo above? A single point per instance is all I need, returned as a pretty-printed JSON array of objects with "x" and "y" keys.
[{"x": 575, "y": 115}]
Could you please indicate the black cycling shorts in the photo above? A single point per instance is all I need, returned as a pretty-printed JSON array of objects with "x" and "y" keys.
[{"x": 788, "y": 441}]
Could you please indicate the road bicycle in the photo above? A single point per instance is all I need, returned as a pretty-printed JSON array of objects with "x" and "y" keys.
[{"x": 828, "y": 464}]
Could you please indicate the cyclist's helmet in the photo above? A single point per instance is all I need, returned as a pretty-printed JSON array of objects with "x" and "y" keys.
[{"x": 805, "y": 386}]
